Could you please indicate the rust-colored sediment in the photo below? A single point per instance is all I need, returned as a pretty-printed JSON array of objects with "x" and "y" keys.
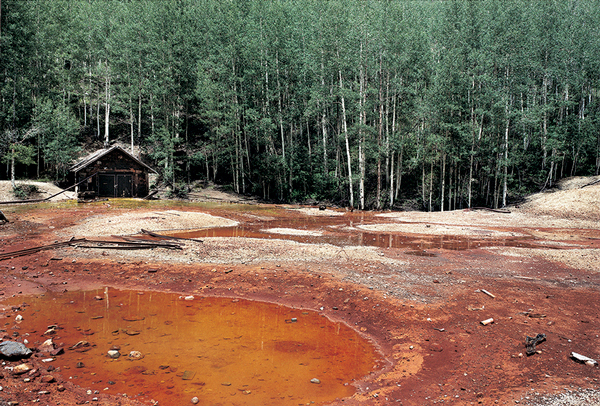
[{"x": 422, "y": 312}]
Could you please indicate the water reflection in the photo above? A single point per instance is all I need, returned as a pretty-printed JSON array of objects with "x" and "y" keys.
[
  {"x": 343, "y": 231},
  {"x": 224, "y": 351}
]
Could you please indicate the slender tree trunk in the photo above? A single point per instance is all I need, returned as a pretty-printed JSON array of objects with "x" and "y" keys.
[
  {"x": 431, "y": 186},
  {"x": 98, "y": 116},
  {"x": 361, "y": 136},
  {"x": 450, "y": 188},
  {"x": 380, "y": 134},
  {"x": 545, "y": 123},
  {"x": 12, "y": 169},
  {"x": 107, "y": 106},
  {"x": 443, "y": 181},
  {"x": 345, "y": 129},
  {"x": 505, "y": 164},
  {"x": 323, "y": 117}
]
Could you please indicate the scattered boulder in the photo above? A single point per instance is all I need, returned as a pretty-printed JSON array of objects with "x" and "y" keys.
[
  {"x": 22, "y": 368},
  {"x": 435, "y": 347},
  {"x": 114, "y": 354},
  {"x": 47, "y": 379},
  {"x": 46, "y": 347},
  {"x": 14, "y": 350},
  {"x": 135, "y": 355}
]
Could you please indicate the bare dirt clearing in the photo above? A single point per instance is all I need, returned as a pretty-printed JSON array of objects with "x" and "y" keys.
[
  {"x": 45, "y": 190},
  {"x": 411, "y": 282}
]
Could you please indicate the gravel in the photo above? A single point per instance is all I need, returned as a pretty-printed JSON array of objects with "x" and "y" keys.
[{"x": 581, "y": 397}]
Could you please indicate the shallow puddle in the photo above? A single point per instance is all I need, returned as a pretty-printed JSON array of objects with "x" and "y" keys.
[
  {"x": 223, "y": 351},
  {"x": 341, "y": 231}
]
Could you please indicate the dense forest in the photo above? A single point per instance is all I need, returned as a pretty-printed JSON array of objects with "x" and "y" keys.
[{"x": 432, "y": 105}]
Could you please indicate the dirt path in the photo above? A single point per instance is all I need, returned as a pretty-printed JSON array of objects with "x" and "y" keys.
[{"x": 421, "y": 306}]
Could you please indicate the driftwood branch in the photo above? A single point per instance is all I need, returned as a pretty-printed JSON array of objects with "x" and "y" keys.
[
  {"x": 86, "y": 243},
  {"x": 167, "y": 237},
  {"x": 591, "y": 183},
  {"x": 503, "y": 211}
]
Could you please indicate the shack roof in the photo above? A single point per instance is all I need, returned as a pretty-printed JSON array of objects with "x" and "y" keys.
[{"x": 94, "y": 156}]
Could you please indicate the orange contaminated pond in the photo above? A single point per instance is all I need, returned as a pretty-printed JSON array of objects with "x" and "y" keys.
[{"x": 224, "y": 351}]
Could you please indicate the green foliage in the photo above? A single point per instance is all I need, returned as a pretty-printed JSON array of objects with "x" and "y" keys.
[
  {"x": 448, "y": 102},
  {"x": 24, "y": 191},
  {"x": 178, "y": 191},
  {"x": 22, "y": 154},
  {"x": 58, "y": 128}
]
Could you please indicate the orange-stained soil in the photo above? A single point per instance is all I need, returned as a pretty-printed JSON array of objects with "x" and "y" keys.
[{"x": 421, "y": 304}]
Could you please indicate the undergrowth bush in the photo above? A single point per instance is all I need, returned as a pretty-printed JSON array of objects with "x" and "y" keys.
[{"x": 24, "y": 191}]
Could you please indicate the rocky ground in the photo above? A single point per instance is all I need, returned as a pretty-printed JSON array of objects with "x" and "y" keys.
[{"x": 414, "y": 285}]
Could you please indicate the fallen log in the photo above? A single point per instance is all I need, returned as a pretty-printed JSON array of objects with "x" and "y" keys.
[
  {"x": 167, "y": 237},
  {"x": 151, "y": 195},
  {"x": 502, "y": 211},
  {"x": 591, "y": 183},
  {"x": 33, "y": 250},
  {"x": 80, "y": 243}
]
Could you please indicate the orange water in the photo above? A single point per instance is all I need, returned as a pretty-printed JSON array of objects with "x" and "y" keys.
[{"x": 223, "y": 351}]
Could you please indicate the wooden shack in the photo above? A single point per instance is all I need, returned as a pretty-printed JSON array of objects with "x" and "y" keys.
[{"x": 111, "y": 172}]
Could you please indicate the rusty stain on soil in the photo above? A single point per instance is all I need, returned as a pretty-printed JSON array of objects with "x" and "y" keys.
[{"x": 423, "y": 312}]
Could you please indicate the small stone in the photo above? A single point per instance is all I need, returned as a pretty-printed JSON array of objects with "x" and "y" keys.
[
  {"x": 80, "y": 364},
  {"x": 22, "y": 368},
  {"x": 47, "y": 346},
  {"x": 60, "y": 388},
  {"x": 19, "y": 318},
  {"x": 435, "y": 347},
  {"x": 315, "y": 380},
  {"x": 98, "y": 297},
  {"x": 57, "y": 351},
  {"x": 135, "y": 355},
  {"x": 47, "y": 379},
  {"x": 226, "y": 383},
  {"x": 195, "y": 400},
  {"x": 114, "y": 354},
  {"x": 89, "y": 392}
]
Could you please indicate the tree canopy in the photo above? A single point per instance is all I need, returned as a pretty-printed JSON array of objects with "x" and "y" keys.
[{"x": 433, "y": 105}]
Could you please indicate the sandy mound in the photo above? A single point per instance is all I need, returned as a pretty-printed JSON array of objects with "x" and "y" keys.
[
  {"x": 132, "y": 222},
  {"x": 46, "y": 189},
  {"x": 576, "y": 182},
  {"x": 576, "y": 202}
]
